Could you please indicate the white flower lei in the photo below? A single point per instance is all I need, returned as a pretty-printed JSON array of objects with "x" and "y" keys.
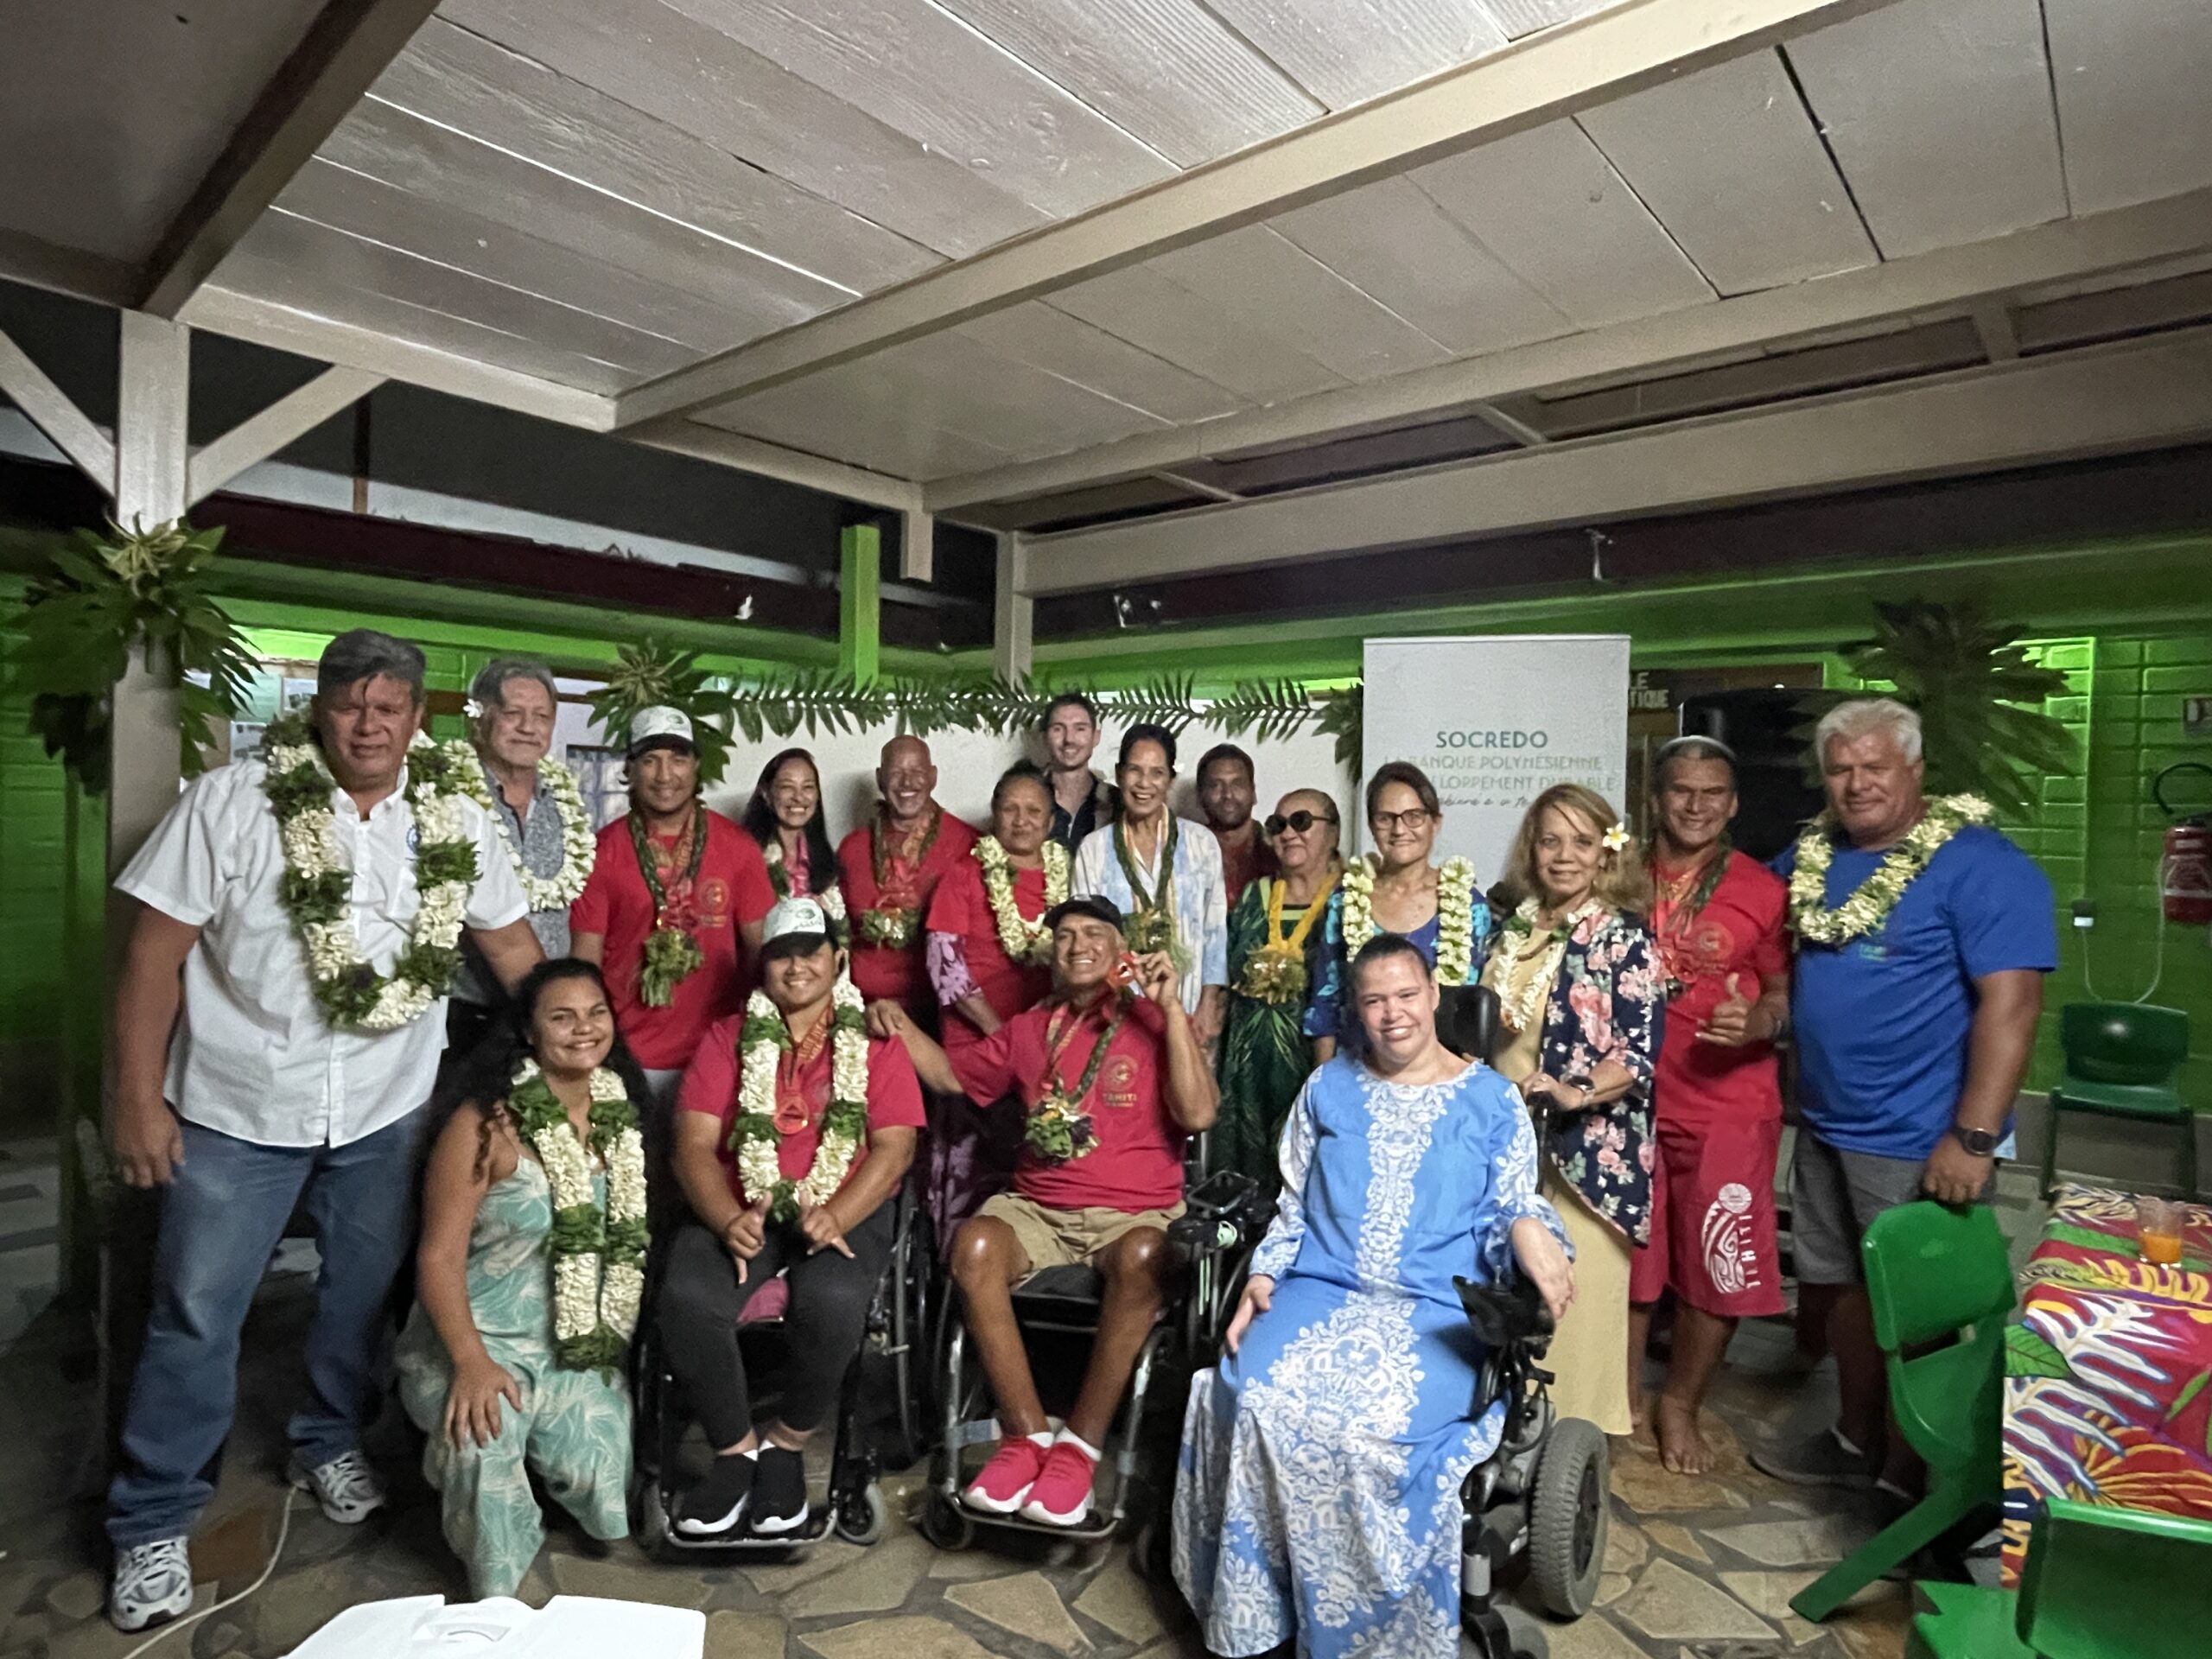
[
  {"x": 829, "y": 897},
  {"x": 319, "y": 897},
  {"x": 1455, "y": 916},
  {"x": 597, "y": 1289},
  {"x": 579, "y": 845},
  {"x": 1519, "y": 1003},
  {"x": 765, "y": 1037},
  {"x": 1876, "y": 896},
  {"x": 1022, "y": 939}
]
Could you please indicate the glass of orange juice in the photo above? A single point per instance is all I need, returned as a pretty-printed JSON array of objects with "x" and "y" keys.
[{"x": 2157, "y": 1221}]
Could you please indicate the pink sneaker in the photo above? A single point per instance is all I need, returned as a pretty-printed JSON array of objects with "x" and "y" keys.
[
  {"x": 1061, "y": 1496},
  {"x": 1002, "y": 1487}
]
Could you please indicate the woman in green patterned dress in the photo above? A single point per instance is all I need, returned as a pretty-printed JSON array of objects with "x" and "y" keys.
[
  {"x": 483, "y": 1371},
  {"x": 1275, "y": 943}
]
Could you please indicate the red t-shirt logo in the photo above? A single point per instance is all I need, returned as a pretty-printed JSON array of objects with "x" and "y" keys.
[
  {"x": 713, "y": 902},
  {"x": 1119, "y": 1081}
]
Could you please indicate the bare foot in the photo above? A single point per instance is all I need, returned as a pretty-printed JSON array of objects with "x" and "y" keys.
[{"x": 1682, "y": 1448}]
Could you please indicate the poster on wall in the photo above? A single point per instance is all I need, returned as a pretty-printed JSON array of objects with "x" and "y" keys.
[{"x": 1495, "y": 719}]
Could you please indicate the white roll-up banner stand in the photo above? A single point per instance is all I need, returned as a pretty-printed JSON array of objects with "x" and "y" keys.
[{"x": 1495, "y": 719}]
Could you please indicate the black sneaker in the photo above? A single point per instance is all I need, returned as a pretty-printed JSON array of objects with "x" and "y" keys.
[
  {"x": 1822, "y": 1459},
  {"x": 780, "y": 1495},
  {"x": 716, "y": 1505}
]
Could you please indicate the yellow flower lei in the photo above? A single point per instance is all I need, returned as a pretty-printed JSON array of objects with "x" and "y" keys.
[
  {"x": 1022, "y": 939},
  {"x": 1867, "y": 909},
  {"x": 1276, "y": 972}
]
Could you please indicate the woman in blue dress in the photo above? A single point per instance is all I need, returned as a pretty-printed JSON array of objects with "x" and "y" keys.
[
  {"x": 1318, "y": 1496},
  {"x": 1395, "y": 889}
]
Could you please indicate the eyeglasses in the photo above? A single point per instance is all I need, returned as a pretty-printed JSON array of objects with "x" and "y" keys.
[
  {"x": 1297, "y": 822},
  {"x": 1412, "y": 819}
]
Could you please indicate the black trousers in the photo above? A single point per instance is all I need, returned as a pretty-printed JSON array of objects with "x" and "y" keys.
[{"x": 700, "y": 1300}]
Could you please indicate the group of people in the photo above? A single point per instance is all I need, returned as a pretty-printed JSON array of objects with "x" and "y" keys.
[{"x": 729, "y": 1045}]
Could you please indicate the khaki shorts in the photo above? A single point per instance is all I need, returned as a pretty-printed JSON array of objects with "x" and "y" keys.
[{"x": 1068, "y": 1238}]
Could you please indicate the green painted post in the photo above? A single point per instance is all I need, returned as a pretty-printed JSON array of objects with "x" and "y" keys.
[{"x": 860, "y": 603}]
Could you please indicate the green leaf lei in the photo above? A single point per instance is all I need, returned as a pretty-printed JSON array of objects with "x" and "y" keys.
[
  {"x": 1058, "y": 1129},
  {"x": 844, "y": 1122},
  {"x": 1151, "y": 927},
  {"x": 673, "y": 955},
  {"x": 597, "y": 1251}
]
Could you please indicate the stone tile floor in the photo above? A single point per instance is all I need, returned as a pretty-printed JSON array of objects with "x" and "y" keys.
[{"x": 1696, "y": 1568}]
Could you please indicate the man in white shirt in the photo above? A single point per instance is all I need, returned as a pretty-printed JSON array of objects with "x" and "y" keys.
[{"x": 289, "y": 1072}]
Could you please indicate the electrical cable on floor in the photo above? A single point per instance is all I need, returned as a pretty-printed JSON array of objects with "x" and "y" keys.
[
  {"x": 284, "y": 1530},
  {"x": 2158, "y": 960}
]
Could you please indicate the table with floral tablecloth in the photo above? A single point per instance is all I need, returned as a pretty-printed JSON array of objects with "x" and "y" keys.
[{"x": 2108, "y": 1376}]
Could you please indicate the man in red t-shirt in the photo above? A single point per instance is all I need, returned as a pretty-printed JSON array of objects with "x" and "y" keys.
[
  {"x": 1113, "y": 1087},
  {"x": 782, "y": 1177},
  {"x": 888, "y": 869},
  {"x": 1228, "y": 791},
  {"x": 1717, "y": 923},
  {"x": 675, "y": 890}
]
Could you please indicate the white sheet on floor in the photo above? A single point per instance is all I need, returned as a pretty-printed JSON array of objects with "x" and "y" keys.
[{"x": 566, "y": 1627}]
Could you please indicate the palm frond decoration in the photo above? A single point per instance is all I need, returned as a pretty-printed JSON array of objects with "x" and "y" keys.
[
  {"x": 1341, "y": 711},
  {"x": 654, "y": 675},
  {"x": 101, "y": 595},
  {"x": 1267, "y": 709},
  {"x": 812, "y": 700},
  {"x": 1169, "y": 699},
  {"x": 1978, "y": 694}
]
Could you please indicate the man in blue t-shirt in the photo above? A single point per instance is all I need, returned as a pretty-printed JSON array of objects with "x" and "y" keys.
[{"x": 1913, "y": 1031}]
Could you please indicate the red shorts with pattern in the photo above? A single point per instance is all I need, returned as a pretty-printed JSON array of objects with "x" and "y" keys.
[{"x": 1712, "y": 1237}]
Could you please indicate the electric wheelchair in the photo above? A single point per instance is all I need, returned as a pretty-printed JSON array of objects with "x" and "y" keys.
[
  {"x": 1223, "y": 1218},
  {"x": 893, "y": 1351}
]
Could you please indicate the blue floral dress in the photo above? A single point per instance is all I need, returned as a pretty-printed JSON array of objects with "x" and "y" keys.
[
  {"x": 573, "y": 1430},
  {"x": 1319, "y": 1495}
]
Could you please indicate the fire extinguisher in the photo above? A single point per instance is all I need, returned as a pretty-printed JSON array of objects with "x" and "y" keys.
[{"x": 2185, "y": 869}]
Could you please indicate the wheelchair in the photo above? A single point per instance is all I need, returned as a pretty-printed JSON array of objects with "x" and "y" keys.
[
  {"x": 1537, "y": 1504},
  {"x": 1211, "y": 1242},
  {"x": 853, "y": 1504}
]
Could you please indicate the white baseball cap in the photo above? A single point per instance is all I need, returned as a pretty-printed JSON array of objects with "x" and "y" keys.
[
  {"x": 803, "y": 921},
  {"x": 660, "y": 726}
]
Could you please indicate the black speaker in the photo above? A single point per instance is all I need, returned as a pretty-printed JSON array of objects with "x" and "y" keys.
[{"x": 1759, "y": 724}]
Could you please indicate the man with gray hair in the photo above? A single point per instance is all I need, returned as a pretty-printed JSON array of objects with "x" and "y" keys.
[
  {"x": 536, "y": 801},
  {"x": 278, "y": 1018},
  {"x": 1923, "y": 936}
]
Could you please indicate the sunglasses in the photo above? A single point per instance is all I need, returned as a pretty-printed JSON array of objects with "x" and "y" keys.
[{"x": 1299, "y": 822}]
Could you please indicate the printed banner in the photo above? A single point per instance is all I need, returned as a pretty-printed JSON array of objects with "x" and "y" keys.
[{"x": 1495, "y": 720}]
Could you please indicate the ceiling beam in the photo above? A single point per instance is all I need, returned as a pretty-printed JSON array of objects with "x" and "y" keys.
[
  {"x": 1557, "y": 71},
  {"x": 345, "y": 49},
  {"x": 55, "y": 413},
  {"x": 683, "y": 437},
  {"x": 240, "y": 317},
  {"x": 31, "y": 259},
  {"x": 2139, "y": 394},
  {"x": 295, "y": 414},
  {"x": 1948, "y": 280}
]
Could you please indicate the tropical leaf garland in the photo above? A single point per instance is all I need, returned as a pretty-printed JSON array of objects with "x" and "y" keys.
[
  {"x": 101, "y": 595},
  {"x": 653, "y": 675},
  {"x": 1979, "y": 695}
]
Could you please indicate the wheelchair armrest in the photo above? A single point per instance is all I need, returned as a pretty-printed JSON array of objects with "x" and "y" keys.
[{"x": 1507, "y": 1315}]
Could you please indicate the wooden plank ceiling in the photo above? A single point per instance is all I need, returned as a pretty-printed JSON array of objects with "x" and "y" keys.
[{"x": 598, "y": 192}]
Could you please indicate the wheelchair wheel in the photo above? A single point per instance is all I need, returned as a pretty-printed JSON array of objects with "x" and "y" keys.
[
  {"x": 861, "y": 1518},
  {"x": 1150, "y": 1556},
  {"x": 1567, "y": 1518},
  {"x": 944, "y": 1524},
  {"x": 652, "y": 1520}
]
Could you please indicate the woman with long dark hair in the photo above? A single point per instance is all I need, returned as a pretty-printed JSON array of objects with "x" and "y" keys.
[
  {"x": 512, "y": 1363},
  {"x": 784, "y": 817}
]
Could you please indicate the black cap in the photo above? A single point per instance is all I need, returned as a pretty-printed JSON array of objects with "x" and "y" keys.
[{"x": 1094, "y": 905}]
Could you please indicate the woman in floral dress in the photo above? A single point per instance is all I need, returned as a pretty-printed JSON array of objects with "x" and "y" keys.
[
  {"x": 485, "y": 1369},
  {"x": 1275, "y": 958},
  {"x": 1581, "y": 1005}
]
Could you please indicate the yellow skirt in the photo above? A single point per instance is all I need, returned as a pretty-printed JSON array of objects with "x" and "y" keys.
[{"x": 1589, "y": 1354}]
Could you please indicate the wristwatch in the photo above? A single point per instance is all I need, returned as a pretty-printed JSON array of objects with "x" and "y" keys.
[{"x": 1981, "y": 1142}]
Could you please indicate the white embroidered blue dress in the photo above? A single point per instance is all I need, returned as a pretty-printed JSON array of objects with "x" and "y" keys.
[{"x": 1319, "y": 1495}]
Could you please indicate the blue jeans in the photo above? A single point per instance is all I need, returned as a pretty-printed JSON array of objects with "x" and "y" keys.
[{"x": 222, "y": 1219}]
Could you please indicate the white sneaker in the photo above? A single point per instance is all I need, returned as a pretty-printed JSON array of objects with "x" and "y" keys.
[
  {"x": 347, "y": 1487},
  {"x": 152, "y": 1584}
]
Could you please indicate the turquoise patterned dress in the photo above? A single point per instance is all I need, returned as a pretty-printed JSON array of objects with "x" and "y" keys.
[{"x": 573, "y": 1430}]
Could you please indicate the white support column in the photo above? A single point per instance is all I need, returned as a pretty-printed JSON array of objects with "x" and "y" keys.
[
  {"x": 1010, "y": 631},
  {"x": 152, "y": 461},
  {"x": 916, "y": 545}
]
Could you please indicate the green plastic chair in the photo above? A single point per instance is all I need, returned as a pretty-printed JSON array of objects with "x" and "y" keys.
[
  {"x": 1934, "y": 1275},
  {"x": 2100, "y": 1583},
  {"x": 2121, "y": 1060}
]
